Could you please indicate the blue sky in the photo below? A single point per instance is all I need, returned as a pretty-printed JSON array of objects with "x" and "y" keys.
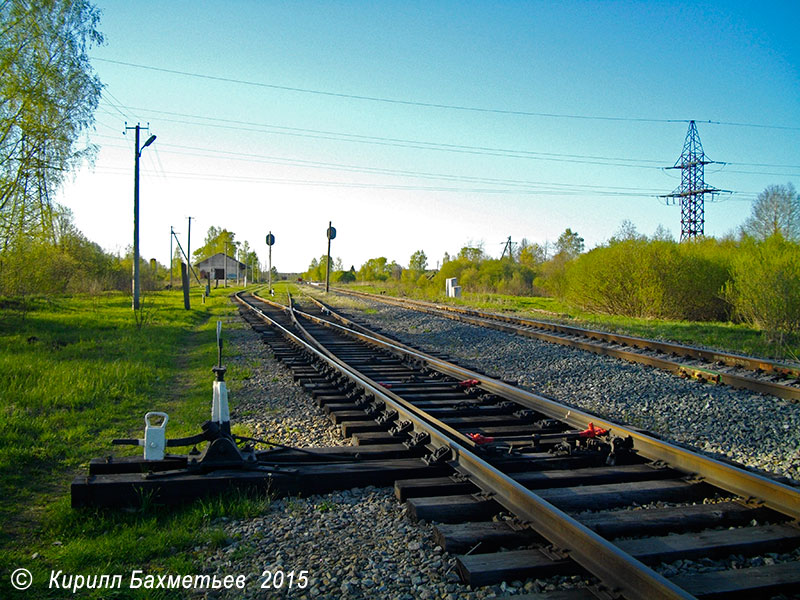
[{"x": 282, "y": 116}]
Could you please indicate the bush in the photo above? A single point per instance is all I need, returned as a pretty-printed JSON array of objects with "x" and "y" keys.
[
  {"x": 35, "y": 267},
  {"x": 651, "y": 279},
  {"x": 486, "y": 275},
  {"x": 764, "y": 288}
]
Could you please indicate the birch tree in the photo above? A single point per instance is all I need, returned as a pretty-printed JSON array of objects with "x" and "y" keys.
[{"x": 48, "y": 94}]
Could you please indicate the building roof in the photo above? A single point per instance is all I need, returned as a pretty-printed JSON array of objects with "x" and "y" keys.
[{"x": 220, "y": 258}]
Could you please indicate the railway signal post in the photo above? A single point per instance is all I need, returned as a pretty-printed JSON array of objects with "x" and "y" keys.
[
  {"x": 331, "y": 234},
  {"x": 270, "y": 242}
]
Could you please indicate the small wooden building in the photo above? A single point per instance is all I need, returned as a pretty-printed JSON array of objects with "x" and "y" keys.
[{"x": 219, "y": 267}]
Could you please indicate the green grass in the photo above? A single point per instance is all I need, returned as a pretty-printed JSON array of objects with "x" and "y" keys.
[
  {"x": 77, "y": 372},
  {"x": 731, "y": 337}
]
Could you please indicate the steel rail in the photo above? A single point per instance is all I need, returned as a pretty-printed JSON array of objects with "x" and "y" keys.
[
  {"x": 520, "y": 326},
  {"x": 606, "y": 561},
  {"x": 773, "y": 494},
  {"x": 730, "y": 359},
  {"x": 453, "y": 433}
]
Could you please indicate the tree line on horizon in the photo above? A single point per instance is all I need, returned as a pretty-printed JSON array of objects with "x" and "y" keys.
[{"x": 752, "y": 276}]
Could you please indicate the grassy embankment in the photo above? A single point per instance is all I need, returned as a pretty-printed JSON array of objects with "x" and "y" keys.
[
  {"x": 731, "y": 337},
  {"x": 75, "y": 373}
]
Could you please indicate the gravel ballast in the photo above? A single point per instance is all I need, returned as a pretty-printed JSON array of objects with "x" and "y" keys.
[
  {"x": 355, "y": 544},
  {"x": 359, "y": 543},
  {"x": 758, "y": 431}
]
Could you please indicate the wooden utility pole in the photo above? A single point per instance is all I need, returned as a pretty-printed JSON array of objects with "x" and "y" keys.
[
  {"x": 171, "y": 260},
  {"x": 137, "y": 156},
  {"x": 185, "y": 282}
]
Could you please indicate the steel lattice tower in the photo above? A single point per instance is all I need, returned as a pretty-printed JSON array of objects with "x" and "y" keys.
[{"x": 693, "y": 188}]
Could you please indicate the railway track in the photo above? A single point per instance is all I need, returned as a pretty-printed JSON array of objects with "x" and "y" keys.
[
  {"x": 743, "y": 372},
  {"x": 563, "y": 491}
]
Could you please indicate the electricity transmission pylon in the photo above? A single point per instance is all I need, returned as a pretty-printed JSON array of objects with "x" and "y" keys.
[
  {"x": 508, "y": 246},
  {"x": 693, "y": 188}
]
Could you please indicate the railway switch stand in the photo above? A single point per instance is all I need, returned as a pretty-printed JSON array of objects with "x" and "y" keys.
[{"x": 170, "y": 471}]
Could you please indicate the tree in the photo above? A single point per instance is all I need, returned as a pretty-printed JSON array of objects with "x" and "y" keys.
[
  {"x": 318, "y": 269},
  {"x": 33, "y": 266},
  {"x": 348, "y": 276},
  {"x": 534, "y": 254},
  {"x": 569, "y": 244},
  {"x": 375, "y": 269},
  {"x": 418, "y": 262},
  {"x": 472, "y": 253},
  {"x": 249, "y": 257},
  {"x": 217, "y": 240},
  {"x": 48, "y": 94},
  {"x": 312, "y": 274},
  {"x": 662, "y": 234},
  {"x": 776, "y": 210},
  {"x": 626, "y": 232}
]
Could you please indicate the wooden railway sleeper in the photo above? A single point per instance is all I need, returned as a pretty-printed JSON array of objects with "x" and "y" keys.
[
  {"x": 601, "y": 592},
  {"x": 525, "y": 414},
  {"x": 420, "y": 438},
  {"x": 555, "y": 553},
  {"x": 356, "y": 395},
  {"x": 483, "y": 496},
  {"x": 401, "y": 427},
  {"x": 386, "y": 417},
  {"x": 622, "y": 452},
  {"x": 374, "y": 410},
  {"x": 441, "y": 455},
  {"x": 364, "y": 400},
  {"x": 582, "y": 447},
  {"x": 548, "y": 424}
]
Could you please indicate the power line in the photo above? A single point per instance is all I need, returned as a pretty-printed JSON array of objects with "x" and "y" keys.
[
  {"x": 254, "y": 158},
  {"x": 385, "y": 100},
  {"x": 486, "y": 150},
  {"x": 430, "y": 104},
  {"x": 544, "y": 191},
  {"x": 105, "y": 93},
  {"x": 412, "y": 144},
  {"x": 763, "y": 173},
  {"x": 760, "y": 126}
]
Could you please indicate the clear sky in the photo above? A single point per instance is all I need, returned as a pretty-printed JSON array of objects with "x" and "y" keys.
[{"x": 427, "y": 125}]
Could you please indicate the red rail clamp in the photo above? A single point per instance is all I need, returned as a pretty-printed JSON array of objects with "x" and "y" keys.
[
  {"x": 480, "y": 439},
  {"x": 592, "y": 431}
]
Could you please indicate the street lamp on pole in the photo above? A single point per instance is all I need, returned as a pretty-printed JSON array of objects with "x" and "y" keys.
[{"x": 138, "y": 154}]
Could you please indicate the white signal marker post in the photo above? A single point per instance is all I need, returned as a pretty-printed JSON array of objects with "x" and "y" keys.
[
  {"x": 270, "y": 242},
  {"x": 220, "y": 412}
]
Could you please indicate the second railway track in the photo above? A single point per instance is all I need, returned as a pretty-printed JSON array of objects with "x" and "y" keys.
[
  {"x": 563, "y": 483},
  {"x": 738, "y": 371}
]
